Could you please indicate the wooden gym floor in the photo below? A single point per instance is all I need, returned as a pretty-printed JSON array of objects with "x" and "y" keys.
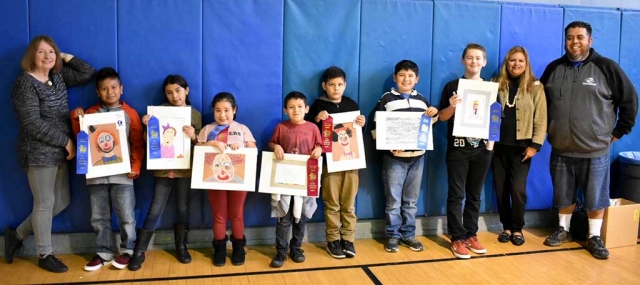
[{"x": 532, "y": 263}]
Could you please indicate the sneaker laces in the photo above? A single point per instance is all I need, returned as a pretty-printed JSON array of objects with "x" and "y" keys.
[{"x": 281, "y": 256}]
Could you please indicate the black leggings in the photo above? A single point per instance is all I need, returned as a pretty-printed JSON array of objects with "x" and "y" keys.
[{"x": 510, "y": 178}]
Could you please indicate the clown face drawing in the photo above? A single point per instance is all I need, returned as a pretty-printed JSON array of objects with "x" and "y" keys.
[
  {"x": 105, "y": 142},
  {"x": 342, "y": 135}
]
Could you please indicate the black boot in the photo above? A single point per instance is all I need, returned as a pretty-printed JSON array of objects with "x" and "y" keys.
[
  {"x": 219, "y": 251},
  {"x": 142, "y": 242},
  {"x": 11, "y": 244},
  {"x": 237, "y": 256},
  {"x": 181, "y": 232}
]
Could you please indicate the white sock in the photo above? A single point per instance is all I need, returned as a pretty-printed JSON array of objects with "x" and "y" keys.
[
  {"x": 594, "y": 227},
  {"x": 565, "y": 221}
]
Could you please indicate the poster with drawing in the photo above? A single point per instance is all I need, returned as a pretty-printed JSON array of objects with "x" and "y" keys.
[
  {"x": 287, "y": 176},
  {"x": 175, "y": 146},
  {"x": 108, "y": 144},
  {"x": 400, "y": 131},
  {"x": 347, "y": 147},
  {"x": 472, "y": 114},
  {"x": 229, "y": 170}
]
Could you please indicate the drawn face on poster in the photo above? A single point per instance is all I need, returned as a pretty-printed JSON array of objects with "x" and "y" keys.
[
  {"x": 105, "y": 144},
  {"x": 224, "y": 168},
  {"x": 172, "y": 145},
  {"x": 345, "y": 143},
  {"x": 474, "y": 109}
]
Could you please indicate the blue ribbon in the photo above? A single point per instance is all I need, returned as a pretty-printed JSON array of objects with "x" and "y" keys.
[
  {"x": 216, "y": 131},
  {"x": 153, "y": 133},
  {"x": 423, "y": 133},
  {"x": 82, "y": 153},
  {"x": 494, "y": 122}
]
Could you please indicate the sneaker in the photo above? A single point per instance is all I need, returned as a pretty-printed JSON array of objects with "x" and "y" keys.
[
  {"x": 122, "y": 261},
  {"x": 52, "y": 264},
  {"x": 96, "y": 263},
  {"x": 558, "y": 237},
  {"x": 335, "y": 249},
  {"x": 11, "y": 244},
  {"x": 348, "y": 248},
  {"x": 459, "y": 249},
  {"x": 297, "y": 255},
  {"x": 391, "y": 245},
  {"x": 474, "y": 245},
  {"x": 278, "y": 260},
  {"x": 412, "y": 244},
  {"x": 596, "y": 248}
]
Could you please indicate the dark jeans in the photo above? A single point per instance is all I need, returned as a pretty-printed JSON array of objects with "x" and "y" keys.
[
  {"x": 466, "y": 178},
  {"x": 163, "y": 187},
  {"x": 282, "y": 231},
  {"x": 510, "y": 178}
]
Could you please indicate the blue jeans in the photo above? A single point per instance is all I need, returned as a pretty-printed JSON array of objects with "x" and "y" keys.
[
  {"x": 123, "y": 199},
  {"x": 282, "y": 231},
  {"x": 401, "y": 184},
  {"x": 163, "y": 187},
  {"x": 591, "y": 175}
]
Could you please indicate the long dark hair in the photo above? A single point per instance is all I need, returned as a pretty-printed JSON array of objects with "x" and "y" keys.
[{"x": 177, "y": 79}]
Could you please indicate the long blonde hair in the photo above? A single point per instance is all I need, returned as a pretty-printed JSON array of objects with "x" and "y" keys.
[{"x": 526, "y": 78}]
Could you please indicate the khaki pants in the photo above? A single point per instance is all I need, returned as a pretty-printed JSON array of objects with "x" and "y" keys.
[{"x": 339, "y": 191}]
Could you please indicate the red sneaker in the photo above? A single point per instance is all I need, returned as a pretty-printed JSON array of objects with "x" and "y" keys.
[
  {"x": 122, "y": 261},
  {"x": 96, "y": 263},
  {"x": 459, "y": 249},
  {"x": 474, "y": 245}
]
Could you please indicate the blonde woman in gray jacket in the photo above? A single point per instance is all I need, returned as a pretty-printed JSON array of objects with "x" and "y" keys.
[{"x": 522, "y": 132}]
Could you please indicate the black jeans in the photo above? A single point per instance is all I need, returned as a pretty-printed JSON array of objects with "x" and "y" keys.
[
  {"x": 282, "y": 230},
  {"x": 163, "y": 187},
  {"x": 510, "y": 178},
  {"x": 466, "y": 178}
]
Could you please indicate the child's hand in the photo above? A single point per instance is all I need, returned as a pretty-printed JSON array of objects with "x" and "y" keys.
[
  {"x": 278, "y": 152},
  {"x": 78, "y": 112},
  {"x": 431, "y": 111},
  {"x": 317, "y": 151},
  {"x": 145, "y": 119},
  {"x": 217, "y": 144},
  {"x": 189, "y": 131},
  {"x": 361, "y": 120},
  {"x": 454, "y": 100},
  {"x": 132, "y": 175},
  {"x": 235, "y": 146},
  {"x": 323, "y": 115}
]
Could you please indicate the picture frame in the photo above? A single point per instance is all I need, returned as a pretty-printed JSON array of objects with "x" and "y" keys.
[
  {"x": 287, "y": 176},
  {"x": 399, "y": 131},
  {"x": 175, "y": 145},
  {"x": 347, "y": 151},
  {"x": 472, "y": 115},
  {"x": 211, "y": 169},
  {"x": 108, "y": 145}
]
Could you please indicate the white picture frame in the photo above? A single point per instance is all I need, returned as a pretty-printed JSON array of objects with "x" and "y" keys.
[
  {"x": 108, "y": 149},
  {"x": 347, "y": 151},
  {"x": 287, "y": 176},
  {"x": 176, "y": 150},
  {"x": 399, "y": 131},
  {"x": 472, "y": 115},
  {"x": 206, "y": 175}
]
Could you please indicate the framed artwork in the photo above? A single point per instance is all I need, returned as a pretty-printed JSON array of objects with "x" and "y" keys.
[
  {"x": 108, "y": 144},
  {"x": 287, "y": 176},
  {"x": 400, "y": 131},
  {"x": 230, "y": 170},
  {"x": 175, "y": 146},
  {"x": 347, "y": 147},
  {"x": 472, "y": 115}
]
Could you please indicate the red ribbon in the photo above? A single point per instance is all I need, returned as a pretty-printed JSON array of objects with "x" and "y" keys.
[
  {"x": 327, "y": 134},
  {"x": 312, "y": 178}
]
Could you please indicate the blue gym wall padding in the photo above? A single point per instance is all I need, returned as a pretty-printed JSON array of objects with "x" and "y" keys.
[
  {"x": 153, "y": 42},
  {"x": 90, "y": 35},
  {"x": 455, "y": 25},
  {"x": 542, "y": 41},
  {"x": 242, "y": 54},
  {"x": 318, "y": 35},
  {"x": 15, "y": 196},
  {"x": 606, "y": 28},
  {"x": 380, "y": 50}
]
